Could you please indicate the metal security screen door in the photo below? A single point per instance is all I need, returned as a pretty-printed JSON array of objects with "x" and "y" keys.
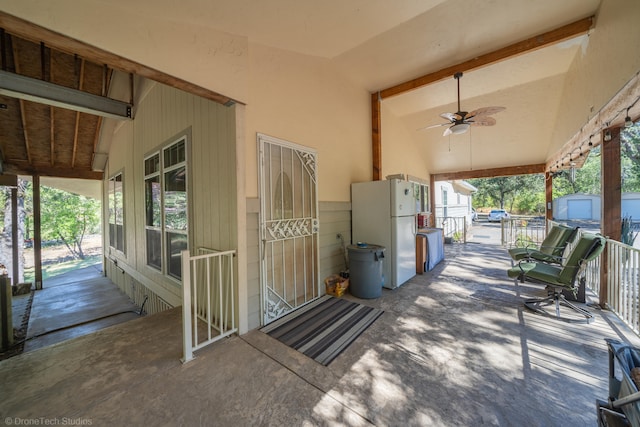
[{"x": 288, "y": 226}]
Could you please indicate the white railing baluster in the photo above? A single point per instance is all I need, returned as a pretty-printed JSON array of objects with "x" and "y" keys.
[
  {"x": 196, "y": 309},
  {"x": 623, "y": 287},
  {"x": 208, "y": 270},
  {"x": 221, "y": 285},
  {"x": 231, "y": 294},
  {"x": 220, "y": 300}
]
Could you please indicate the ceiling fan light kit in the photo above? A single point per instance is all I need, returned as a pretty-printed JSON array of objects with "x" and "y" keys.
[
  {"x": 460, "y": 121},
  {"x": 459, "y": 128}
]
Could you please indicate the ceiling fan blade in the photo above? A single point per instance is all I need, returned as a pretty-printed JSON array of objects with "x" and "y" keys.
[
  {"x": 452, "y": 117},
  {"x": 485, "y": 111},
  {"x": 447, "y": 132},
  {"x": 482, "y": 121},
  {"x": 434, "y": 126}
]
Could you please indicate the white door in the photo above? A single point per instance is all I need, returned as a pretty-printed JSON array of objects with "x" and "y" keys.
[{"x": 289, "y": 254}]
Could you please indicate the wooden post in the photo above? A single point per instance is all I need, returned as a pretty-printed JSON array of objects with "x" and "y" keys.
[
  {"x": 6, "y": 317},
  {"x": 432, "y": 200},
  {"x": 611, "y": 206},
  {"x": 15, "y": 243},
  {"x": 376, "y": 136},
  {"x": 37, "y": 235},
  {"x": 548, "y": 186}
]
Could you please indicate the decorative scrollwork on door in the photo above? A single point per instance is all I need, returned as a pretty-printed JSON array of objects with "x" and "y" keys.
[{"x": 289, "y": 228}]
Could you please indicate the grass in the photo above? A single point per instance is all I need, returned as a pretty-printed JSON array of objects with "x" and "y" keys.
[{"x": 55, "y": 269}]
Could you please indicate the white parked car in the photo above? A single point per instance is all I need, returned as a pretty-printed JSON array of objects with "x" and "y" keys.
[{"x": 497, "y": 215}]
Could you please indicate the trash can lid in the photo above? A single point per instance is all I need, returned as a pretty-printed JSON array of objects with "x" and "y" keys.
[{"x": 366, "y": 247}]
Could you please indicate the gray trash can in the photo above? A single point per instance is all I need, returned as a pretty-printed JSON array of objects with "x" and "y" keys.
[{"x": 365, "y": 270}]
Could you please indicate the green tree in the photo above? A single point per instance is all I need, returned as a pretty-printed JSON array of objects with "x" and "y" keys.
[
  {"x": 5, "y": 194},
  {"x": 630, "y": 158},
  {"x": 68, "y": 217},
  {"x": 585, "y": 180},
  {"x": 524, "y": 193},
  {"x": 6, "y": 230}
]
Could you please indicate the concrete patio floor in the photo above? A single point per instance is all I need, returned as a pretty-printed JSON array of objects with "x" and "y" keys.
[
  {"x": 454, "y": 347},
  {"x": 74, "y": 304}
]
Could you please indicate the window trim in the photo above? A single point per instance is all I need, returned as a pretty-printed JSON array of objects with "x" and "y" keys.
[
  {"x": 111, "y": 186},
  {"x": 162, "y": 229},
  {"x": 423, "y": 193}
]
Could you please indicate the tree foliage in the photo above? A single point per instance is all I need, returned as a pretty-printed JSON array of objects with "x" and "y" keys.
[
  {"x": 630, "y": 158},
  {"x": 6, "y": 230},
  {"x": 523, "y": 193},
  {"x": 586, "y": 179},
  {"x": 65, "y": 217}
]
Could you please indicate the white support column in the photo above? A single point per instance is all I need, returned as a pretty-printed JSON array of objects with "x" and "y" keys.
[{"x": 187, "y": 341}]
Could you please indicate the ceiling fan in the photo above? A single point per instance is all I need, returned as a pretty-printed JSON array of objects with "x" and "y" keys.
[{"x": 459, "y": 122}]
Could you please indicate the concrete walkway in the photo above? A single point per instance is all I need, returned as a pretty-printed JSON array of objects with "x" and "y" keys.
[
  {"x": 454, "y": 347},
  {"x": 74, "y": 304}
]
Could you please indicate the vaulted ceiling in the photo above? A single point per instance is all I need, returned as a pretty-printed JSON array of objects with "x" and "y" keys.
[{"x": 377, "y": 43}]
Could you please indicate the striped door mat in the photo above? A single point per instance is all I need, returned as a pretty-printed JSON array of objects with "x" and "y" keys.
[{"x": 323, "y": 328}]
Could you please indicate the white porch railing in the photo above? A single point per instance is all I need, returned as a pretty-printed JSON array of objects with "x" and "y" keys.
[
  {"x": 623, "y": 277},
  {"x": 522, "y": 231},
  {"x": 455, "y": 227},
  {"x": 623, "y": 283},
  {"x": 208, "y": 299}
]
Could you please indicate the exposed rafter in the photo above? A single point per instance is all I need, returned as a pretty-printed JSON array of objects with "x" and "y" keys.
[
  {"x": 30, "y": 31},
  {"x": 23, "y": 117},
  {"x": 77, "y": 125},
  {"x": 53, "y": 136},
  {"x": 52, "y": 142}
]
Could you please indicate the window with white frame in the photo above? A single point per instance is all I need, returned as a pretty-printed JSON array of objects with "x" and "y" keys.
[
  {"x": 421, "y": 195},
  {"x": 116, "y": 213},
  {"x": 166, "y": 213},
  {"x": 445, "y": 204}
]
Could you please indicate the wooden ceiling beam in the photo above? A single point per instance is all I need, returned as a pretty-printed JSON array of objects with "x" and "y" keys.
[
  {"x": 533, "y": 43},
  {"x": 21, "y": 167},
  {"x": 23, "y": 117},
  {"x": 52, "y": 136},
  {"x": 107, "y": 73},
  {"x": 52, "y": 130},
  {"x": 36, "y": 33},
  {"x": 491, "y": 173},
  {"x": 77, "y": 125}
]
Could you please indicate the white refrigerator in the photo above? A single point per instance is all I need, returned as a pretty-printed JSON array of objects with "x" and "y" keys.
[{"x": 383, "y": 213}]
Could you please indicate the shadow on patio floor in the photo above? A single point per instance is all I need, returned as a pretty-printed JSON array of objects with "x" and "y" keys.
[{"x": 454, "y": 347}]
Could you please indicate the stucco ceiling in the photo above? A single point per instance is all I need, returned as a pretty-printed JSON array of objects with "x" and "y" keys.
[{"x": 380, "y": 43}]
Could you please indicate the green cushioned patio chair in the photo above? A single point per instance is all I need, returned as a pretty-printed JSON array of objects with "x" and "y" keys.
[
  {"x": 552, "y": 247},
  {"x": 558, "y": 278}
]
